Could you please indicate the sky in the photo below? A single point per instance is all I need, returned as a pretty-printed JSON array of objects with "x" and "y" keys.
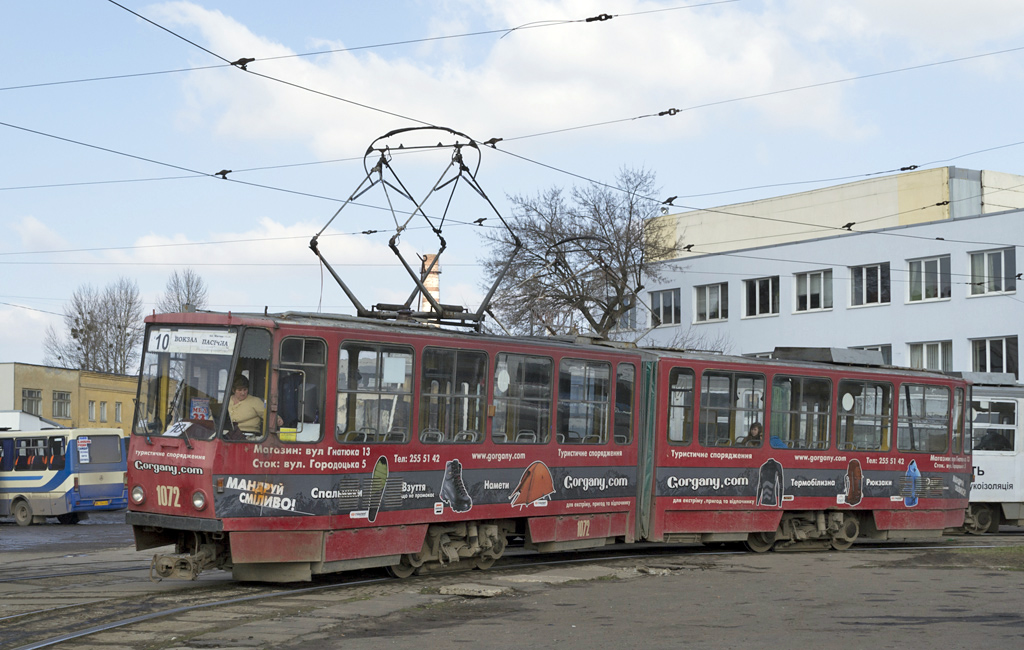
[{"x": 113, "y": 126}]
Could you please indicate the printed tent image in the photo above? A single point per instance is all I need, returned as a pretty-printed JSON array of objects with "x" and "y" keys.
[{"x": 535, "y": 484}]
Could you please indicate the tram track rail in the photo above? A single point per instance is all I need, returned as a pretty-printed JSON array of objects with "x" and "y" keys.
[{"x": 30, "y": 632}]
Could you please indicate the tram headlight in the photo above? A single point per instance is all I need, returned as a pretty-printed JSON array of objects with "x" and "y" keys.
[
  {"x": 198, "y": 500},
  {"x": 138, "y": 495}
]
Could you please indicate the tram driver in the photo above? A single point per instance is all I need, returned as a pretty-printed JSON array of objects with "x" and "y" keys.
[{"x": 246, "y": 411}]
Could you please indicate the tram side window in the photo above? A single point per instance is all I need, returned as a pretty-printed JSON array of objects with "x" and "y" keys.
[
  {"x": 374, "y": 393},
  {"x": 453, "y": 396},
  {"x": 301, "y": 389},
  {"x": 958, "y": 422},
  {"x": 680, "y": 406},
  {"x": 584, "y": 392},
  {"x": 865, "y": 415},
  {"x": 730, "y": 404},
  {"x": 994, "y": 424},
  {"x": 801, "y": 412},
  {"x": 625, "y": 391},
  {"x": 923, "y": 419},
  {"x": 522, "y": 399}
]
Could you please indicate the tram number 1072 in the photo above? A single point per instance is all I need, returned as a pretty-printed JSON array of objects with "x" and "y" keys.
[{"x": 168, "y": 496}]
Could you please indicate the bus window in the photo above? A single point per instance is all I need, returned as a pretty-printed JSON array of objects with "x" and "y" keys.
[
  {"x": 923, "y": 419},
  {"x": 30, "y": 454},
  {"x": 453, "y": 397},
  {"x": 625, "y": 389},
  {"x": 301, "y": 389},
  {"x": 994, "y": 424},
  {"x": 680, "y": 406},
  {"x": 865, "y": 415},
  {"x": 731, "y": 404},
  {"x": 56, "y": 453},
  {"x": 801, "y": 412},
  {"x": 374, "y": 393},
  {"x": 584, "y": 393},
  {"x": 94, "y": 450},
  {"x": 522, "y": 399}
]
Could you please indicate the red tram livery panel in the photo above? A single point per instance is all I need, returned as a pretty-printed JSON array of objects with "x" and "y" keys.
[{"x": 283, "y": 446}]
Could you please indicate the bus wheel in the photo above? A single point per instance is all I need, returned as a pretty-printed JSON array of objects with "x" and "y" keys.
[
  {"x": 22, "y": 512},
  {"x": 68, "y": 518}
]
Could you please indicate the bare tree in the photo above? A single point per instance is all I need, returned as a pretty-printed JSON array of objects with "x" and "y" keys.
[
  {"x": 584, "y": 259},
  {"x": 103, "y": 330},
  {"x": 186, "y": 291}
]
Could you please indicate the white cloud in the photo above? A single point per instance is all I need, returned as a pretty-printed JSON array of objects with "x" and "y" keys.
[
  {"x": 36, "y": 235},
  {"x": 532, "y": 80}
]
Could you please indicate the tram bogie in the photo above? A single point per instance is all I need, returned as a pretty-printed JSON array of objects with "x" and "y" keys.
[{"x": 435, "y": 450}]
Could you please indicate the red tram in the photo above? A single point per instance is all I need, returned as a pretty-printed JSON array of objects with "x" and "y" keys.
[{"x": 404, "y": 446}]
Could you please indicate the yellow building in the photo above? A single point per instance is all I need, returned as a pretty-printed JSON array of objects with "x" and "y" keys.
[
  {"x": 920, "y": 196},
  {"x": 72, "y": 398}
]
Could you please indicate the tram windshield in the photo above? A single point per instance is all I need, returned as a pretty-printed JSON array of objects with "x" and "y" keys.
[{"x": 184, "y": 382}]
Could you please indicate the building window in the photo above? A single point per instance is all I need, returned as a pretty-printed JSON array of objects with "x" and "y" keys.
[
  {"x": 32, "y": 400},
  {"x": 995, "y": 355},
  {"x": 762, "y": 296},
  {"x": 665, "y": 307},
  {"x": 929, "y": 279},
  {"x": 626, "y": 320},
  {"x": 993, "y": 272},
  {"x": 936, "y": 355},
  {"x": 103, "y": 411},
  {"x": 117, "y": 411},
  {"x": 61, "y": 405},
  {"x": 814, "y": 291},
  {"x": 712, "y": 302},
  {"x": 870, "y": 284},
  {"x": 886, "y": 351},
  {"x": 92, "y": 411}
]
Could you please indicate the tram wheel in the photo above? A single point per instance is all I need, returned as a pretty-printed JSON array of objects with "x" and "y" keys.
[
  {"x": 846, "y": 535},
  {"x": 401, "y": 570},
  {"x": 68, "y": 518},
  {"x": 22, "y": 512},
  {"x": 760, "y": 542},
  {"x": 982, "y": 520}
]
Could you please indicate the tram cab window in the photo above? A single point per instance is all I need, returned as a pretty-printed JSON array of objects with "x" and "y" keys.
[
  {"x": 584, "y": 394},
  {"x": 253, "y": 369},
  {"x": 801, "y": 412},
  {"x": 958, "y": 446},
  {"x": 731, "y": 403},
  {"x": 625, "y": 391},
  {"x": 301, "y": 388},
  {"x": 522, "y": 399},
  {"x": 994, "y": 423},
  {"x": 374, "y": 393},
  {"x": 680, "y": 406},
  {"x": 923, "y": 419},
  {"x": 453, "y": 396},
  {"x": 864, "y": 415}
]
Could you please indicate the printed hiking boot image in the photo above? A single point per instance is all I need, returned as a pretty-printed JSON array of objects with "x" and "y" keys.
[
  {"x": 535, "y": 484},
  {"x": 378, "y": 481},
  {"x": 911, "y": 482},
  {"x": 453, "y": 491},
  {"x": 854, "y": 479},
  {"x": 770, "y": 484}
]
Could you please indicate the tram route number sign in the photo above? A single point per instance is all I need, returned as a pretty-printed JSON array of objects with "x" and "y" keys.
[{"x": 191, "y": 341}]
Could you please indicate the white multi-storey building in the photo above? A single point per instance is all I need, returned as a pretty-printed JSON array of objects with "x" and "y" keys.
[{"x": 920, "y": 266}]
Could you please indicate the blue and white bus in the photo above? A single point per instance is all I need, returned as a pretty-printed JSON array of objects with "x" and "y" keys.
[{"x": 62, "y": 473}]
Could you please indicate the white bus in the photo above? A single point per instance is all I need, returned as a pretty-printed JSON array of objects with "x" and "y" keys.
[{"x": 62, "y": 473}]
